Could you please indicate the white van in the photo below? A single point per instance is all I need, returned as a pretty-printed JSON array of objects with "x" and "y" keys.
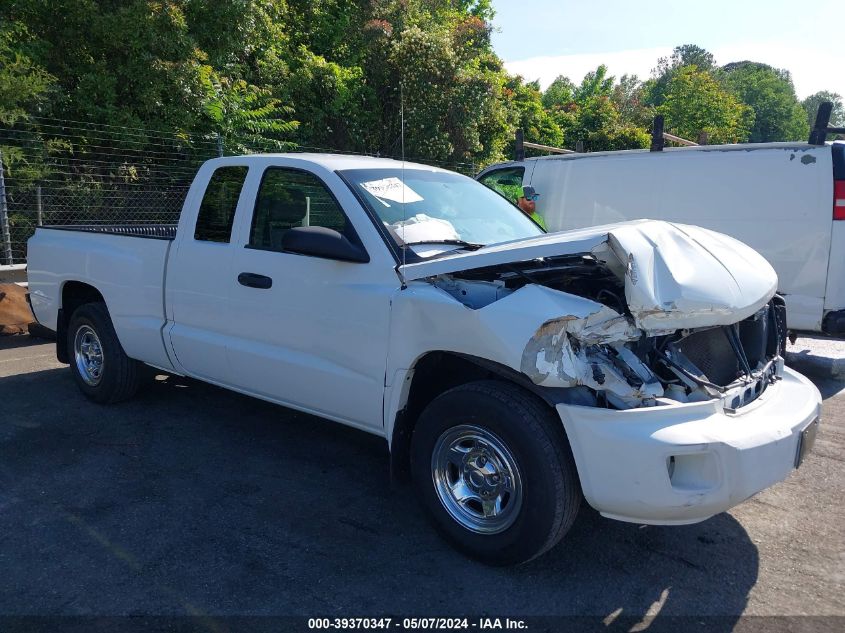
[{"x": 782, "y": 199}]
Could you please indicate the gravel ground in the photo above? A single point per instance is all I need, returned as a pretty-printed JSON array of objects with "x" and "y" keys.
[{"x": 191, "y": 499}]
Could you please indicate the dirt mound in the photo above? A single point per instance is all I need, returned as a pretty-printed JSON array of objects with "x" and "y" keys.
[{"x": 15, "y": 315}]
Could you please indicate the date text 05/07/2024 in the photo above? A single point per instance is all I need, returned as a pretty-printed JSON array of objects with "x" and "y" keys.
[{"x": 417, "y": 623}]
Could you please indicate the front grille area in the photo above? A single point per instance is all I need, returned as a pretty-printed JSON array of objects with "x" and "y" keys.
[
  {"x": 711, "y": 352},
  {"x": 758, "y": 339},
  {"x": 754, "y": 336}
]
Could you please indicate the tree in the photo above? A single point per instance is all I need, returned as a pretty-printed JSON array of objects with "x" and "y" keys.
[
  {"x": 596, "y": 122},
  {"x": 811, "y": 107},
  {"x": 24, "y": 89},
  {"x": 691, "y": 55},
  {"x": 695, "y": 102},
  {"x": 627, "y": 98},
  {"x": 589, "y": 112},
  {"x": 455, "y": 98},
  {"x": 525, "y": 101},
  {"x": 654, "y": 90},
  {"x": 449, "y": 105},
  {"x": 250, "y": 69},
  {"x": 559, "y": 93},
  {"x": 778, "y": 116},
  {"x": 596, "y": 83},
  {"x": 24, "y": 85},
  {"x": 129, "y": 63},
  {"x": 246, "y": 117}
]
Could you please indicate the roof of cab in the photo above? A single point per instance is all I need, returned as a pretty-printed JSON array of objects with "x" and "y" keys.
[{"x": 332, "y": 162}]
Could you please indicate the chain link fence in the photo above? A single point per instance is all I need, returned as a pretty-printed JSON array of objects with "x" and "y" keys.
[{"x": 57, "y": 172}]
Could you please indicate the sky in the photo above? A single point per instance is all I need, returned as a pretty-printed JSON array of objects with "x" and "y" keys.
[{"x": 541, "y": 39}]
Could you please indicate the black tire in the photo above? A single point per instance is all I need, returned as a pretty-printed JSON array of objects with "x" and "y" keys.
[
  {"x": 119, "y": 376},
  {"x": 534, "y": 436}
]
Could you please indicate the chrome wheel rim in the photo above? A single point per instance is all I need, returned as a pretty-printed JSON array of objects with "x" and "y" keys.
[
  {"x": 88, "y": 354},
  {"x": 477, "y": 479}
]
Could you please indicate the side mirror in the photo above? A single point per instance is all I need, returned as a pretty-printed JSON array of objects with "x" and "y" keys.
[{"x": 319, "y": 241}]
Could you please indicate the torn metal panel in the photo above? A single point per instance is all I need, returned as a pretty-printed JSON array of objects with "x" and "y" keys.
[
  {"x": 590, "y": 351},
  {"x": 428, "y": 317},
  {"x": 554, "y": 338}
]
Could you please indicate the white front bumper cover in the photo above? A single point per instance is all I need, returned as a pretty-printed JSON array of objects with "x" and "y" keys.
[{"x": 678, "y": 464}]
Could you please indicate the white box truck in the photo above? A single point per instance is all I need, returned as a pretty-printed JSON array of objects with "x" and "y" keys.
[{"x": 785, "y": 200}]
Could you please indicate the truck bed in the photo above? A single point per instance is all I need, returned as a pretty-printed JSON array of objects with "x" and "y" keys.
[
  {"x": 153, "y": 231},
  {"x": 124, "y": 263}
]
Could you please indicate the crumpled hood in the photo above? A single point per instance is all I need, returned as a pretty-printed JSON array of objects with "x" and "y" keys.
[{"x": 675, "y": 275}]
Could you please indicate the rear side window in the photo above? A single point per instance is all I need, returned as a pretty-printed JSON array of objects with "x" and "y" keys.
[
  {"x": 289, "y": 198},
  {"x": 217, "y": 211},
  {"x": 506, "y": 182}
]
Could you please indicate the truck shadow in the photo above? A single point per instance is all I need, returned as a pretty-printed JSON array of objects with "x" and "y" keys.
[
  {"x": 828, "y": 387},
  {"x": 192, "y": 498},
  {"x": 18, "y": 341}
]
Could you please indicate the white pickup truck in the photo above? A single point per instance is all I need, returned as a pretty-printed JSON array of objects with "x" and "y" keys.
[{"x": 509, "y": 370}]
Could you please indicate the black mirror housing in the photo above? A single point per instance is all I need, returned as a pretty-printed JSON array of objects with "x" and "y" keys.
[{"x": 319, "y": 241}]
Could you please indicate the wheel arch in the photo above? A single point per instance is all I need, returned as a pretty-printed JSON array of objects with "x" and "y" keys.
[
  {"x": 434, "y": 373},
  {"x": 72, "y": 295}
]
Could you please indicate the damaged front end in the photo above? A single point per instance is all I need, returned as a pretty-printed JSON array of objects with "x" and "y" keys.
[
  {"x": 620, "y": 358},
  {"x": 596, "y": 351},
  {"x": 732, "y": 362}
]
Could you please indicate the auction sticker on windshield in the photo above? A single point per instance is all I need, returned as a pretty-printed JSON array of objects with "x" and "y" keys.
[{"x": 391, "y": 189}]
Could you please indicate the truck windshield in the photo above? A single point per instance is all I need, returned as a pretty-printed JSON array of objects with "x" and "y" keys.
[{"x": 422, "y": 207}]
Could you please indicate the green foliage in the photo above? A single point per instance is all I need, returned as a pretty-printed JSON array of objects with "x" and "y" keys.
[
  {"x": 811, "y": 107},
  {"x": 454, "y": 86},
  {"x": 769, "y": 92},
  {"x": 537, "y": 124},
  {"x": 594, "y": 85},
  {"x": 330, "y": 101},
  {"x": 627, "y": 97},
  {"x": 591, "y": 114},
  {"x": 654, "y": 90},
  {"x": 689, "y": 55},
  {"x": 446, "y": 99},
  {"x": 245, "y": 116},
  {"x": 24, "y": 88},
  {"x": 559, "y": 93},
  {"x": 596, "y": 122},
  {"x": 267, "y": 74},
  {"x": 428, "y": 68},
  {"x": 778, "y": 116},
  {"x": 696, "y": 102},
  {"x": 24, "y": 85}
]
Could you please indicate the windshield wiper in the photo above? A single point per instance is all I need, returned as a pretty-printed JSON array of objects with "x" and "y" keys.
[{"x": 467, "y": 245}]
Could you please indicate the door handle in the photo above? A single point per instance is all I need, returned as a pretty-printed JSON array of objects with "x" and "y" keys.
[{"x": 254, "y": 280}]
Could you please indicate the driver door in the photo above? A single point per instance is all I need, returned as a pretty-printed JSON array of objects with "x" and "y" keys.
[{"x": 312, "y": 332}]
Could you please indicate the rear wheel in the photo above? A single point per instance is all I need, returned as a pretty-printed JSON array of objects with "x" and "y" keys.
[
  {"x": 493, "y": 467},
  {"x": 102, "y": 370}
]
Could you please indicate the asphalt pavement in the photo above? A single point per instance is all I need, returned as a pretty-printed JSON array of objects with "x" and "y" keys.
[{"x": 194, "y": 500}]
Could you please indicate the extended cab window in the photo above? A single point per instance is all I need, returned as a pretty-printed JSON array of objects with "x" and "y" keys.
[
  {"x": 507, "y": 182},
  {"x": 217, "y": 211},
  {"x": 289, "y": 198}
]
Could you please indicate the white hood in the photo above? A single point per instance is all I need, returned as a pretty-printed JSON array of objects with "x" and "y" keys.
[{"x": 676, "y": 276}]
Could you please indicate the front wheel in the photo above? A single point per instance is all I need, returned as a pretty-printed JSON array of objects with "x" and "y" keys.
[
  {"x": 492, "y": 466},
  {"x": 102, "y": 370}
]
